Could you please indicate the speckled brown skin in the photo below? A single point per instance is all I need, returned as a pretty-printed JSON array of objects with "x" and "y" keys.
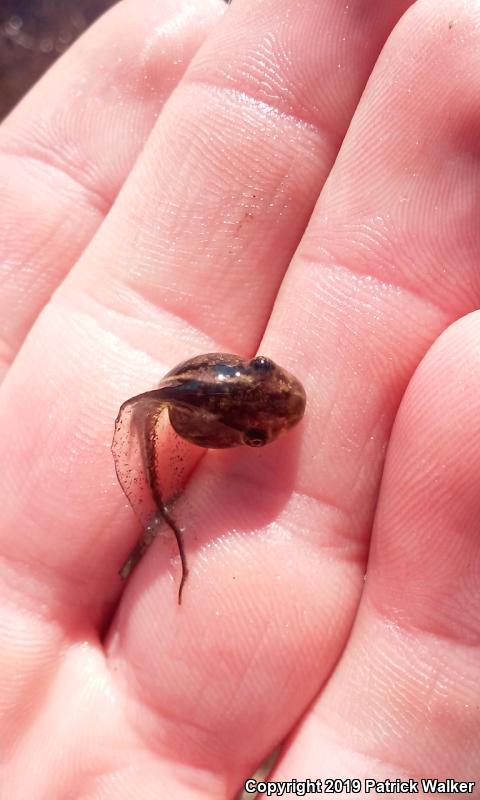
[{"x": 217, "y": 400}]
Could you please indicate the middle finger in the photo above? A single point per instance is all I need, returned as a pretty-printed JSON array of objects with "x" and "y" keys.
[{"x": 229, "y": 179}]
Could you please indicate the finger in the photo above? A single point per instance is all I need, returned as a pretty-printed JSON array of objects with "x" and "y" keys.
[
  {"x": 165, "y": 219},
  {"x": 412, "y": 667},
  {"x": 67, "y": 148},
  {"x": 234, "y": 168},
  {"x": 390, "y": 254},
  {"x": 346, "y": 335}
]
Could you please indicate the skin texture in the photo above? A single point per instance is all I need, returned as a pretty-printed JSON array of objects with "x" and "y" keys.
[{"x": 308, "y": 190}]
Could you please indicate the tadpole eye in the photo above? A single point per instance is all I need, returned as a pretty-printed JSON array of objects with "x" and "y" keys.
[
  {"x": 261, "y": 364},
  {"x": 255, "y": 438}
]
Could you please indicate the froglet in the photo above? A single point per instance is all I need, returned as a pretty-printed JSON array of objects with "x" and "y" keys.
[{"x": 216, "y": 401}]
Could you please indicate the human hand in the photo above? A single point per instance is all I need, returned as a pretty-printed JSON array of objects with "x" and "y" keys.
[{"x": 110, "y": 690}]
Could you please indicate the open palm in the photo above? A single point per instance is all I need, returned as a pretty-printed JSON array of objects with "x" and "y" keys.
[{"x": 164, "y": 193}]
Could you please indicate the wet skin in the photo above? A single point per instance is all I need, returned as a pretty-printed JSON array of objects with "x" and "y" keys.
[{"x": 217, "y": 401}]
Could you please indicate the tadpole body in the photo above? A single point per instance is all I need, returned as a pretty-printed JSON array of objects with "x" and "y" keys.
[{"x": 217, "y": 401}]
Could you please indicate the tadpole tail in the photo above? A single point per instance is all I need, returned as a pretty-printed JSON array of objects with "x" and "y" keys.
[
  {"x": 145, "y": 541},
  {"x": 149, "y": 444},
  {"x": 181, "y": 550},
  {"x": 136, "y": 554}
]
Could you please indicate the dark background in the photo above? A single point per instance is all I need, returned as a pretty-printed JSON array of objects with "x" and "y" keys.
[{"x": 33, "y": 33}]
